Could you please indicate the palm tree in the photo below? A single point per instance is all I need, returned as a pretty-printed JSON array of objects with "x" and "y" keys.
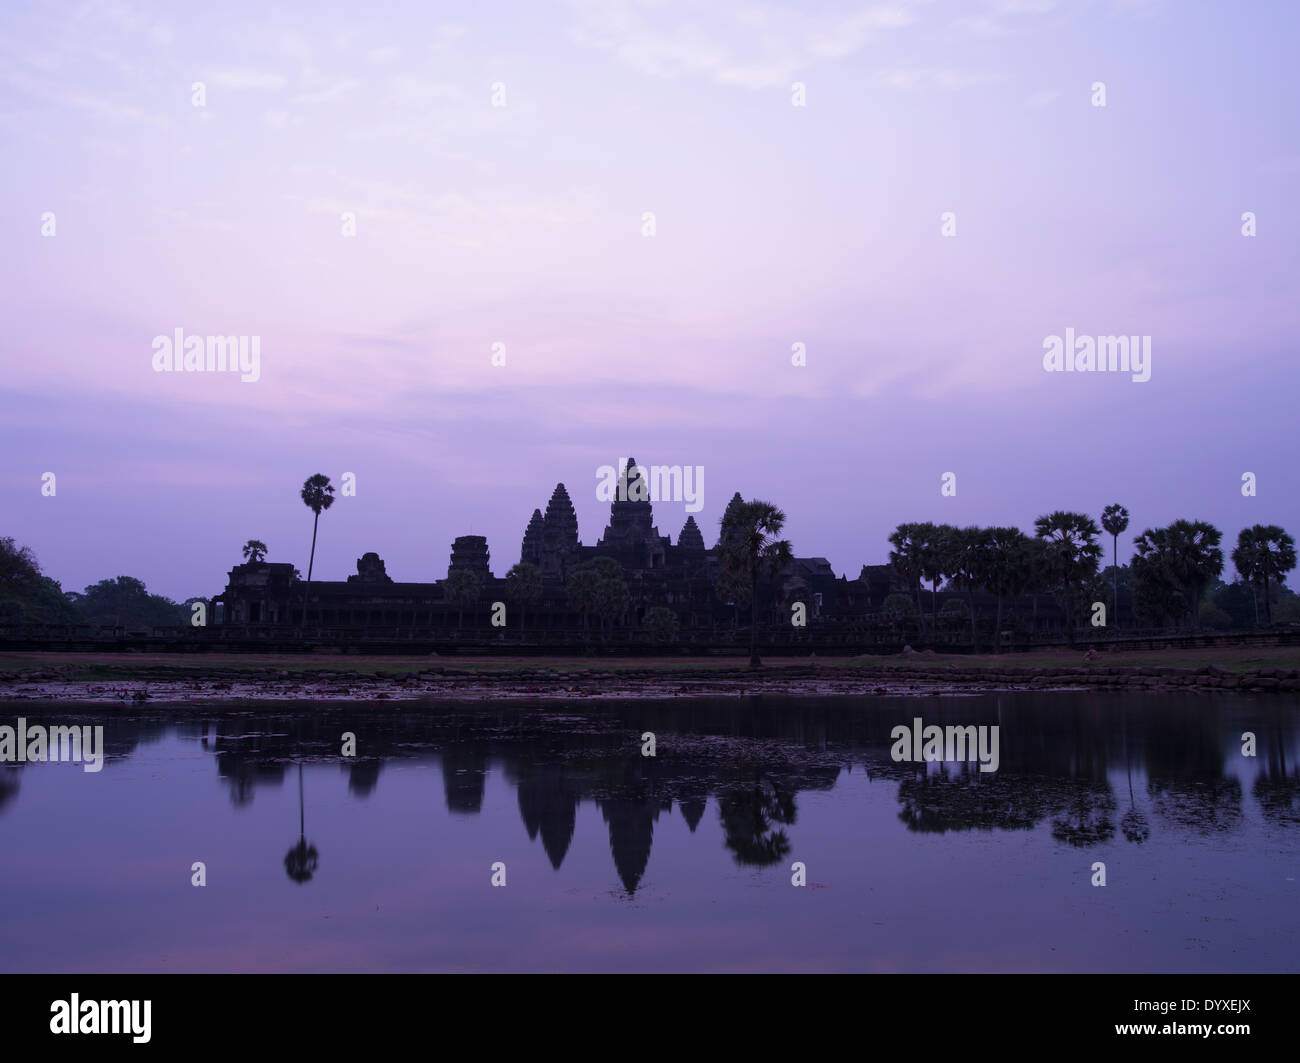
[
  {"x": 461, "y": 586},
  {"x": 524, "y": 585},
  {"x": 1006, "y": 570},
  {"x": 733, "y": 590},
  {"x": 967, "y": 559},
  {"x": 1114, "y": 518},
  {"x": 1196, "y": 558},
  {"x": 1071, "y": 554},
  {"x": 1156, "y": 593},
  {"x": 907, "y": 557},
  {"x": 936, "y": 547},
  {"x": 317, "y": 495},
  {"x": 254, "y": 550},
  {"x": 1038, "y": 574},
  {"x": 749, "y": 547},
  {"x": 1264, "y": 552},
  {"x": 1172, "y": 567}
]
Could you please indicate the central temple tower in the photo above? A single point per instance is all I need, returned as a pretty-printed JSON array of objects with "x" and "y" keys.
[{"x": 631, "y": 537}]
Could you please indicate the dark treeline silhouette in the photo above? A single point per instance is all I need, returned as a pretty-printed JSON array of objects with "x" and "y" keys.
[
  {"x": 978, "y": 587},
  {"x": 1172, "y": 581},
  {"x": 1070, "y": 770},
  {"x": 27, "y": 596}
]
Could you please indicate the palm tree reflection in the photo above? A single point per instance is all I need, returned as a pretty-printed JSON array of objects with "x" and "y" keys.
[
  {"x": 748, "y": 815},
  {"x": 1133, "y": 823},
  {"x": 300, "y": 862}
]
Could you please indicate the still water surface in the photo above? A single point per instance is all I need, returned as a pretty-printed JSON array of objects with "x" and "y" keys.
[{"x": 681, "y": 862}]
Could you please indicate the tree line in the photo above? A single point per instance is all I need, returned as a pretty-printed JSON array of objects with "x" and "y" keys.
[
  {"x": 29, "y": 597},
  {"x": 1170, "y": 571}
]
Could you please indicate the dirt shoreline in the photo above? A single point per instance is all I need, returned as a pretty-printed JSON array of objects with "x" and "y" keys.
[{"x": 164, "y": 683}]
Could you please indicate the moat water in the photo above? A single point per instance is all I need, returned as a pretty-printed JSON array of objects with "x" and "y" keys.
[{"x": 684, "y": 861}]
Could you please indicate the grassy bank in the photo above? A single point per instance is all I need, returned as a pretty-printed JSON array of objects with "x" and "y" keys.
[{"x": 107, "y": 666}]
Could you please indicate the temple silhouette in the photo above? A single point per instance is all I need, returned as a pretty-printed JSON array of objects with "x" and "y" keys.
[{"x": 681, "y": 576}]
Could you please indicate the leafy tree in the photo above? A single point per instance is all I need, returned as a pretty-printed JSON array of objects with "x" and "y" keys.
[
  {"x": 1213, "y": 617},
  {"x": 1239, "y": 600},
  {"x": 461, "y": 587},
  {"x": 898, "y": 606},
  {"x": 1071, "y": 556},
  {"x": 660, "y": 622},
  {"x": 749, "y": 547},
  {"x": 1264, "y": 552},
  {"x": 1114, "y": 519},
  {"x": 1287, "y": 608},
  {"x": 598, "y": 586},
  {"x": 125, "y": 602},
  {"x": 19, "y": 570},
  {"x": 255, "y": 549},
  {"x": 27, "y": 596}
]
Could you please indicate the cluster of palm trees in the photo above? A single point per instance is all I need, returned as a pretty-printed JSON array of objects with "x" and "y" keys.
[
  {"x": 1171, "y": 568},
  {"x": 748, "y": 548},
  {"x": 1264, "y": 552},
  {"x": 598, "y": 586},
  {"x": 1004, "y": 561}
]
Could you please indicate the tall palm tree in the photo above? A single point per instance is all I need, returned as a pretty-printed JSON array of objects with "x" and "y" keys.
[
  {"x": 254, "y": 550},
  {"x": 317, "y": 495},
  {"x": 1264, "y": 552},
  {"x": 907, "y": 557},
  {"x": 1072, "y": 555},
  {"x": 749, "y": 546},
  {"x": 1114, "y": 518}
]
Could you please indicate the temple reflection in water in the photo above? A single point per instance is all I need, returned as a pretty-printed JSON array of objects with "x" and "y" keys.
[{"x": 1093, "y": 770}]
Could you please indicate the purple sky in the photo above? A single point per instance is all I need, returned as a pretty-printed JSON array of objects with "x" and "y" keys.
[{"x": 522, "y": 224}]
